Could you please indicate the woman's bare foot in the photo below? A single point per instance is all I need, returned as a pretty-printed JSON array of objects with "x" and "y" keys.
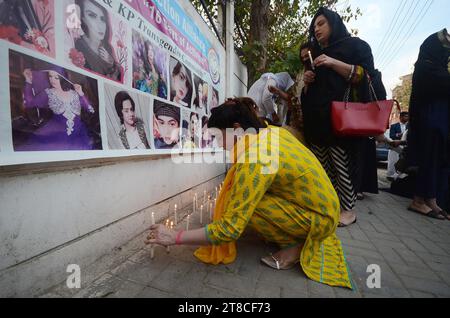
[
  {"x": 347, "y": 218},
  {"x": 284, "y": 259}
]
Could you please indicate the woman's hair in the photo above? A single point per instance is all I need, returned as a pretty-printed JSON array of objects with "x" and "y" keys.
[
  {"x": 236, "y": 110},
  {"x": 106, "y": 41},
  {"x": 163, "y": 109},
  {"x": 118, "y": 103},
  {"x": 62, "y": 73},
  {"x": 175, "y": 72}
]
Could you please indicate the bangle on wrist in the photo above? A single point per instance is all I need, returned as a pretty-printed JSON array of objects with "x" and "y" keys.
[
  {"x": 178, "y": 239},
  {"x": 351, "y": 74}
]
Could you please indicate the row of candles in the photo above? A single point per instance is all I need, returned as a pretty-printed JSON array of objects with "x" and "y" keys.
[{"x": 210, "y": 206}]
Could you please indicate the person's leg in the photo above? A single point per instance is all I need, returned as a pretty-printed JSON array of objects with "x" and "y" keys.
[
  {"x": 393, "y": 157},
  {"x": 345, "y": 187},
  {"x": 276, "y": 226}
]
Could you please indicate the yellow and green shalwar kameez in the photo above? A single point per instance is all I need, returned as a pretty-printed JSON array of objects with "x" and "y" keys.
[{"x": 287, "y": 197}]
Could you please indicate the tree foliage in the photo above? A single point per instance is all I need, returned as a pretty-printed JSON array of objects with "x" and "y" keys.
[{"x": 268, "y": 33}]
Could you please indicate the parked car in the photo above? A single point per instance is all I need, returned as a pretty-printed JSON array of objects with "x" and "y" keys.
[{"x": 382, "y": 151}]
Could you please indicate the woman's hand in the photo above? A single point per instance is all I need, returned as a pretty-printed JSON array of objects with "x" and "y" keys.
[
  {"x": 105, "y": 56},
  {"x": 274, "y": 90},
  {"x": 78, "y": 89},
  {"x": 324, "y": 60},
  {"x": 309, "y": 77},
  {"x": 160, "y": 234},
  {"x": 28, "y": 74}
]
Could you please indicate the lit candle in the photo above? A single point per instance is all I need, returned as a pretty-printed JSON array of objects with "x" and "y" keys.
[
  {"x": 201, "y": 214},
  {"x": 168, "y": 226},
  {"x": 211, "y": 213},
  {"x": 175, "y": 215},
  {"x": 187, "y": 222},
  {"x": 204, "y": 196},
  {"x": 152, "y": 247},
  {"x": 311, "y": 60},
  {"x": 193, "y": 206}
]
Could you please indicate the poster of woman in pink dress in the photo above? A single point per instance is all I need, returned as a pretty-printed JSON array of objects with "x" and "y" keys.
[
  {"x": 53, "y": 109},
  {"x": 29, "y": 23}
]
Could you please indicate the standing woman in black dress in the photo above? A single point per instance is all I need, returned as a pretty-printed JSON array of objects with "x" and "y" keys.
[{"x": 340, "y": 60}]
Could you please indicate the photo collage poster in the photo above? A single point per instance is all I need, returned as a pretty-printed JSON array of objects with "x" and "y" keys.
[{"x": 104, "y": 79}]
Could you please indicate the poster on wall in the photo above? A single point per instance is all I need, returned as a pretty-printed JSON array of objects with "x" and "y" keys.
[
  {"x": 29, "y": 23},
  {"x": 52, "y": 108},
  {"x": 93, "y": 42},
  {"x": 89, "y": 78},
  {"x": 150, "y": 67},
  {"x": 127, "y": 118}
]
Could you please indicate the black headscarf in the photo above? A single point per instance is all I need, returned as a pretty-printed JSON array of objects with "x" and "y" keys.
[{"x": 330, "y": 86}]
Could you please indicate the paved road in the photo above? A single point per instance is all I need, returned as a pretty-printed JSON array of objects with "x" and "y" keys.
[{"x": 413, "y": 253}]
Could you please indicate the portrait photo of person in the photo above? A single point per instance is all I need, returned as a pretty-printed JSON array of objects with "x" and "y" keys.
[
  {"x": 214, "y": 99},
  {"x": 150, "y": 67},
  {"x": 29, "y": 23},
  {"x": 180, "y": 83},
  {"x": 191, "y": 134},
  {"x": 166, "y": 125},
  {"x": 52, "y": 108},
  {"x": 128, "y": 117},
  {"x": 207, "y": 139},
  {"x": 95, "y": 44},
  {"x": 201, "y": 89}
]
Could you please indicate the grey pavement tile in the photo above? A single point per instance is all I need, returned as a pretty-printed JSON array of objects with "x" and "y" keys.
[
  {"x": 214, "y": 292},
  {"x": 378, "y": 236},
  {"x": 343, "y": 233},
  {"x": 419, "y": 294},
  {"x": 50, "y": 295},
  {"x": 172, "y": 275},
  {"x": 413, "y": 271},
  {"x": 413, "y": 244},
  {"x": 316, "y": 289},
  {"x": 356, "y": 251},
  {"x": 142, "y": 274},
  {"x": 263, "y": 290},
  {"x": 444, "y": 246},
  {"x": 347, "y": 293},
  {"x": 366, "y": 225},
  {"x": 410, "y": 257},
  {"x": 386, "y": 292},
  {"x": 289, "y": 280},
  {"x": 357, "y": 233},
  {"x": 439, "y": 267},
  {"x": 193, "y": 282},
  {"x": 104, "y": 286},
  {"x": 149, "y": 292},
  {"x": 441, "y": 259},
  {"x": 432, "y": 248},
  {"x": 445, "y": 277},
  {"x": 425, "y": 285},
  {"x": 390, "y": 255},
  {"x": 380, "y": 227},
  {"x": 127, "y": 290},
  {"x": 231, "y": 282},
  {"x": 293, "y": 293},
  {"x": 349, "y": 243}
]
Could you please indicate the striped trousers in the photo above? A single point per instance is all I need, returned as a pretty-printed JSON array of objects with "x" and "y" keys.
[{"x": 337, "y": 164}]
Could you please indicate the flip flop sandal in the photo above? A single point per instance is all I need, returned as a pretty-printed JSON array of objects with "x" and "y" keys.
[
  {"x": 345, "y": 225},
  {"x": 432, "y": 214},
  {"x": 272, "y": 262}
]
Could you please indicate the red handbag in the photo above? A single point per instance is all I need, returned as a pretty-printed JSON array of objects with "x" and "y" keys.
[{"x": 351, "y": 119}]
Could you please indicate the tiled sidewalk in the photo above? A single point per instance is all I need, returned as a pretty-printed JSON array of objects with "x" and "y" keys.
[{"x": 412, "y": 251}]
